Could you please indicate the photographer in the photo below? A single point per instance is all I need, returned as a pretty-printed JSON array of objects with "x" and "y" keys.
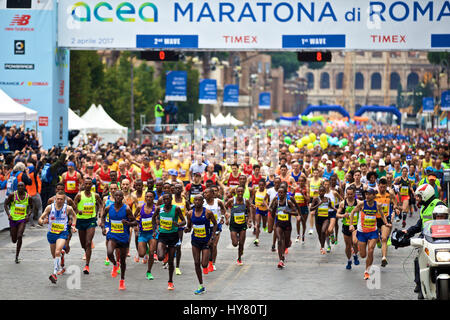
[{"x": 49, "y": 173}]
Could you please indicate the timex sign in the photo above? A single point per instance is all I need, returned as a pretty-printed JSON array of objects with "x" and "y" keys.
[{"x": 19, "y": 46}]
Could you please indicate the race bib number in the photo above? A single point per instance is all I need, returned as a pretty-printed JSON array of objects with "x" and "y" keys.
[
  {"x": 147, "y": 224},
  {"x": 71, "y": 185},
  {"x": 216, "y": 216},
  {"x": 404, "y": 191},
  {"x": 20, "y": 209},
  {"x": 369, "y": 221},
  {"x": 166, "y": 223},
  {"x": 259, "y": 200},
  {"x": 323, "y": 212},
  {"x": 57, "y": 228},
  {"x": 299, "y": 198},
  {"x": 239, "y": 218},
  {"x": 199, "y": 231},
  {"x": 283, "y": 216},
  {"x": 116, "y": 226},
  {"x": 385, "y": 208},
  {"x": 88, "y": 209}
]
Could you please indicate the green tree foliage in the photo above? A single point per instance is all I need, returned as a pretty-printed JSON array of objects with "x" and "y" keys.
[{"x": 86, "y": 76}]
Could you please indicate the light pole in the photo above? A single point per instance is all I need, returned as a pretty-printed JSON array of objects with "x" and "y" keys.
[{"x": 132, "y": 99}]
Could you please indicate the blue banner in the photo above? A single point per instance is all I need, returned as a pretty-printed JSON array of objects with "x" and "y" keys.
[
  {"x": 445, "y": 101},
  {"x": 428, "y": 104},
  {"x": 231, "y": 95},
  {"x": 314, "y": 41},
  {"x": 176, "y": 86},
  {"x": 207, "y": 91},
  {"x": 264, "y": 100},
  {"x": 166, "y": 41}
]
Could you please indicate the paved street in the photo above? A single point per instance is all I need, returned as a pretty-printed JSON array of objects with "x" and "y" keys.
[{"x": 308, "y": 275}]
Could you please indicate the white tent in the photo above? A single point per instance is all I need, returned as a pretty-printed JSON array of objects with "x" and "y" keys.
[
  {"x": 105, "y": 126},
  {"x": 233, "y": 121},
  {"x": 12, "y": 111},
  {"x": 78, "y": 123},
  {"x": 220, "y": 120}
]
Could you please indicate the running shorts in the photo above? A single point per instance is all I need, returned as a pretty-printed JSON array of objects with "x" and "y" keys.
[
  {"x": 332, "y": 214},
  {"x": 262, "y": 212},
  {"x": 119, "y": 245},
  {"x": 321, "y": 220},
  {"x": 404, "y": 198},
  {"x": 169, "y": 239},
  {"x": 346, "y": 231},
  {"x": 366, "y": 236},
  {"x": 304, "y": 210},
  {"x": 15, "y": 224},
  {"x": 52, "y": 237},
  {"x": 84, "y": 224},
  {"x": 234, "y": 227},
  {"x": 381, "y": 223},
  {"x": 202, "y": 245},
  {"x": 145, "y": 236}
]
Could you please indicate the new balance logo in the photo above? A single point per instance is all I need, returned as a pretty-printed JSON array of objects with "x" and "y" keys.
[{"x": 20, "y": 20}]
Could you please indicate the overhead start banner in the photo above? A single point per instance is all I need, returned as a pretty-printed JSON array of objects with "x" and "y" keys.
[
  {"x": 245, "y": 25},
  {"x": 264, "y": 101},
  {"x": 207, "y": 91},
  {"x": 176, "y": 86},
  {"x": 428, "y": 104},
  {"x": 231, "y": 95}
]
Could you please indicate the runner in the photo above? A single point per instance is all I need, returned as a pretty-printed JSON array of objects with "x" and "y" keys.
[
  {"x": 18, "y": 209},
  {"x": 387, "y": 200},
  {"x": 180, "y": 201},
  {"x": 238, "y": 221},
  {"x": 69, "y": 202},
  {"x": 132, "y": 202},
  {"x": 314, "y": 185},
  {"x": 87, "y": 205},
  {"x": 281, "y": 210},
  {"x": 217, "y": 207},
  {"x": 107, "y": 201},
  {"x": 195, "y": 188},
  {"x": 199, "y": 220},
  {"x": 167, "y": 223},
  {"x": 367, "y": 234},
  {"x": 261, "y": 199},
  {"x": 351, "y": 242},
  {"x": 72, "y": 180},
  {"x": 322, "y": 207},
  {"x": 301, "y": 197},
  {"x": 140, "y": 197},
  {"x": 146, "y": 241},
  {"x": 60, "y": 217},
  {"x": 406, "y": 191},
  {"x": 121, "y": 221}
]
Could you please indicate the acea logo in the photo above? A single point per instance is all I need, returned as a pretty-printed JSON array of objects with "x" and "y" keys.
[{"x": 125, "y": 11}]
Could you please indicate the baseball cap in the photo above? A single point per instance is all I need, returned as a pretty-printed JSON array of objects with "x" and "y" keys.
[
  {"x": 173, "y": 172},
  {"x": 408, "y": 157},
  {"x": 329, "y": 162},
  {"x": 354, "y": 156},
  {"x": 381, "y": 163},
  {"x": 361, "y": 154},
  {"x": 325, "y": 157},
  {"x": 429, "y": 170}
]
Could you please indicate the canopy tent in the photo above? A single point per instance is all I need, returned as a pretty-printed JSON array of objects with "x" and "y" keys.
[
  {"x": 233, "y": 121},
  {"x": 220, "y": 120},
  {"x": 78, "y": 123},
  {"x": 390, "y": 109},
  {"x": 105, "y": 126},
  {"x": 12, "y": 111}
]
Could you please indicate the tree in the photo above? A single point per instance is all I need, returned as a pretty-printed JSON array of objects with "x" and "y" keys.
[
  {"x": 441, "y": 59},
  {"x": 86, "y": 76}
]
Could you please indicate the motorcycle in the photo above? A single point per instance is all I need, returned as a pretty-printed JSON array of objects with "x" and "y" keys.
[{"x": 434, "y": 259}]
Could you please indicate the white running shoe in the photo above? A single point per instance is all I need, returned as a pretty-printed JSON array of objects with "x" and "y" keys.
[{"x": 310, "y": 231}]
